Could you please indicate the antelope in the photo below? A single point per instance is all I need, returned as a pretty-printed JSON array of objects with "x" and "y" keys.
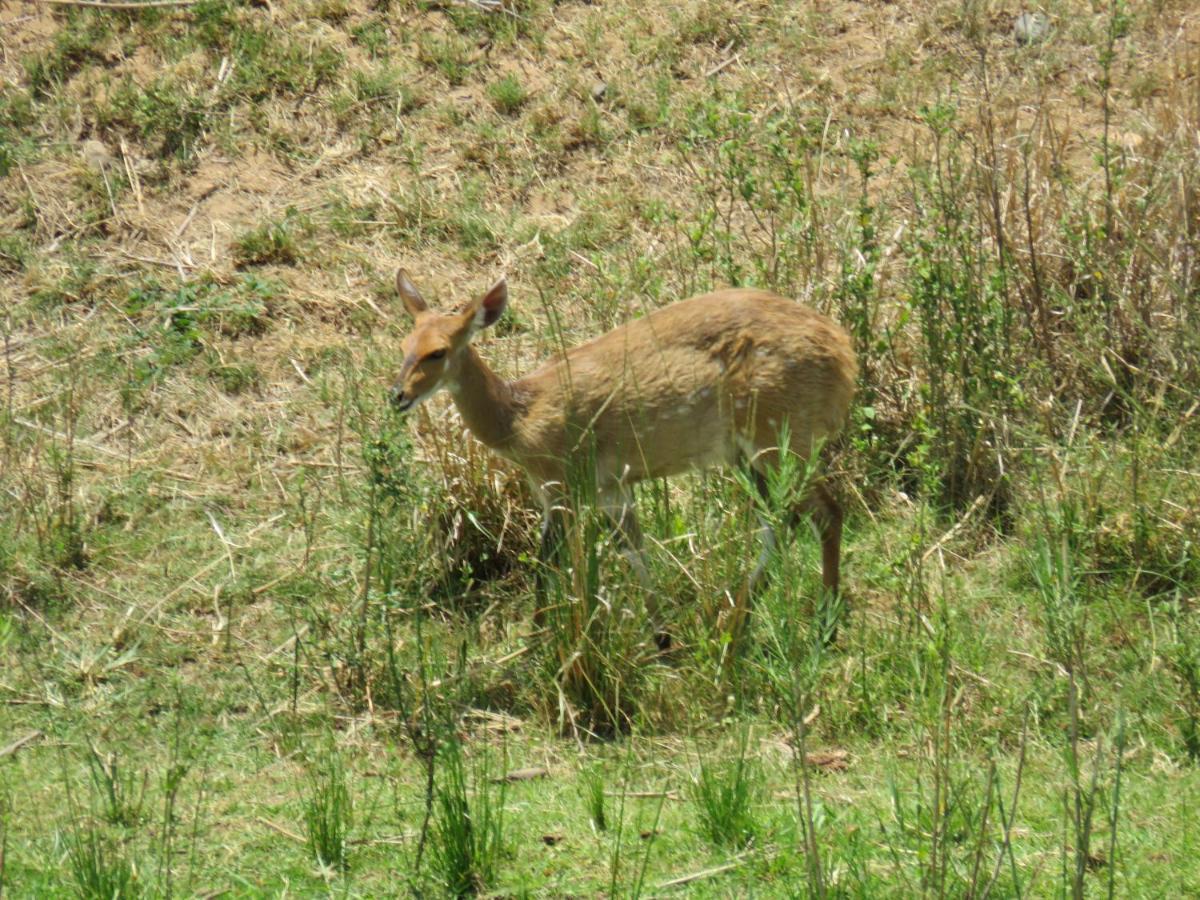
[{"x": 703, "y": 382}]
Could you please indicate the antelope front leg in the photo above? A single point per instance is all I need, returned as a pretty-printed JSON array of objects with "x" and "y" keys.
[
  {"x": 734, "y": 621},
  {"x": 618, "y": 507}
]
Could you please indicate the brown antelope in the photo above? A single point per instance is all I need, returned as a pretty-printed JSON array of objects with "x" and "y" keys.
[{"x": 704, "y": 382}]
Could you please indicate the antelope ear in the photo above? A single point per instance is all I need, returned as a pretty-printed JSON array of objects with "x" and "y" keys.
[
  {"x": 409, "y": 295},
  {"x": 487, "y": 310}
]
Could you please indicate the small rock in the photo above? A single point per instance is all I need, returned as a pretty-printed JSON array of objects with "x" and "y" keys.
[
  {"x": 599, "y": 89},
  {"x": 1031, "y": 28},
  {"x": 95, "y": 154}
]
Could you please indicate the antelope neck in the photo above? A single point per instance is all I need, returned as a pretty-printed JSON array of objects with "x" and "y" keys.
[{"x": 484, "y": 400}]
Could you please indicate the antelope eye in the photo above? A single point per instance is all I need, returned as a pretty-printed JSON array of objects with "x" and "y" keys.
[{"x": 436, "y": 354}]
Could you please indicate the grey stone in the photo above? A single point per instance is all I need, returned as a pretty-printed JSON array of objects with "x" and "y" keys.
[
  {"x": 95, "y": 154},
  {"x": 1031, "y": 28}
]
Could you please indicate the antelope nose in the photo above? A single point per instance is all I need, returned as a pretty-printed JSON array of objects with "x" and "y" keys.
[{"x": 396, "y": 395}]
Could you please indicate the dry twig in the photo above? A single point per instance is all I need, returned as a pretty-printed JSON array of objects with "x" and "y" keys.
[
  {"x": 21, "y": 742},
  {"x": 120, "y": 4}
]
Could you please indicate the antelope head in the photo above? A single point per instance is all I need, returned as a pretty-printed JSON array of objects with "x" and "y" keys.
[{"x": 437, "y": 344}]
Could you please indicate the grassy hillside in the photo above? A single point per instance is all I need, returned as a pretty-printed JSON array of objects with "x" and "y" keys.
[{"x": 259, "y": 636}]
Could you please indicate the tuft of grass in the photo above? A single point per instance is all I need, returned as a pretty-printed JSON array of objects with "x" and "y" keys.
[
  {"x": 98, "y": 866},
  {"x": 724, "y": 794},
  {"x": 122, "y": 793},
  {"x": 449, "y": 56},
  {"x": 328, "y": 811},
  {"x": 279, "y": 242},
  {"x": 508, "y": 95},
  {"x": 1183, "y": 655},
  {"x": 166, "y": 111},
  {"x": 178, "y": 323},
  {"x": 373, "y": 37},
  {"x": 595, "y": 645},
  {"x": 467, "y": 834},
  {"x": 72, "y": 286},
  {"x": 269, "y": 65},
  {"x": 592, "y": 788},
  {"x": 83, "y": 41}
]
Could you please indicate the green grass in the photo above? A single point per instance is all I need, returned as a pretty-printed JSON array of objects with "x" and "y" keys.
[
  {"x": 328, "y": 812},
  {"x": 724, "y": 794},
  {"x": 508, "y": 95},
  {"x": 280, "y": 242},
  {"x": 259, "y": 636}
]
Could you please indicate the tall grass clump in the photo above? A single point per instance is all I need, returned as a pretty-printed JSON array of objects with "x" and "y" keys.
[
  {"x": 122, "y": 793},
  {"x": 795, "y": 644},
  {"x": 1183, "y": 656},
  {"x": 594, "y": 640},
  {"x": 467, "y": 835},
  {"x": 98, "y": 866},
  {"x": 591, "y": 789},
  {"x": 482, "y": 524},
  {"x": 724, "y": 793},
  {"x": 1093, "y": 792},
  {"x": 950, "y": 815},
  {"x": 378, "y": 496},
  {"x": 328, "y": 811},
  {"x": 965, "y": 330}
]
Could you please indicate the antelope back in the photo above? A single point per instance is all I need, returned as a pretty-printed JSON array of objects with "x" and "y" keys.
[{"x": 701, "y": 382}]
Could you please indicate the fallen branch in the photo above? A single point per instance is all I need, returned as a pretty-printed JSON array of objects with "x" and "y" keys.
[
  {"x": 280, "y": 829},
  {"x": 645, "y": 795},
  {"x": 720, "y": 66},
  {"x": 706, "y": 873},
  {"x": 954, "y": 530},
  {"x": 120, "y": 4},
  {"x": 21, "y": 742}
]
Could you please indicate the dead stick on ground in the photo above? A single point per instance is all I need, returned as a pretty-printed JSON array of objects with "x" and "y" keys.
[
  {"x": 954, "y": 530},
  {"x": 187, "y": 220},
  {"x": 299, "y": 371},
  {"x": 697, "y": 876},
  {"x": 644, "y": 795},
  {"x": 21, "y": 742},
  {"x": 280, "y": 829},
  {"x": 98, "y": 4},
  {"x": 203, "y": 570},
  {"x": 717, "y": 68},
  {"x": 150, "y": 260}
]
